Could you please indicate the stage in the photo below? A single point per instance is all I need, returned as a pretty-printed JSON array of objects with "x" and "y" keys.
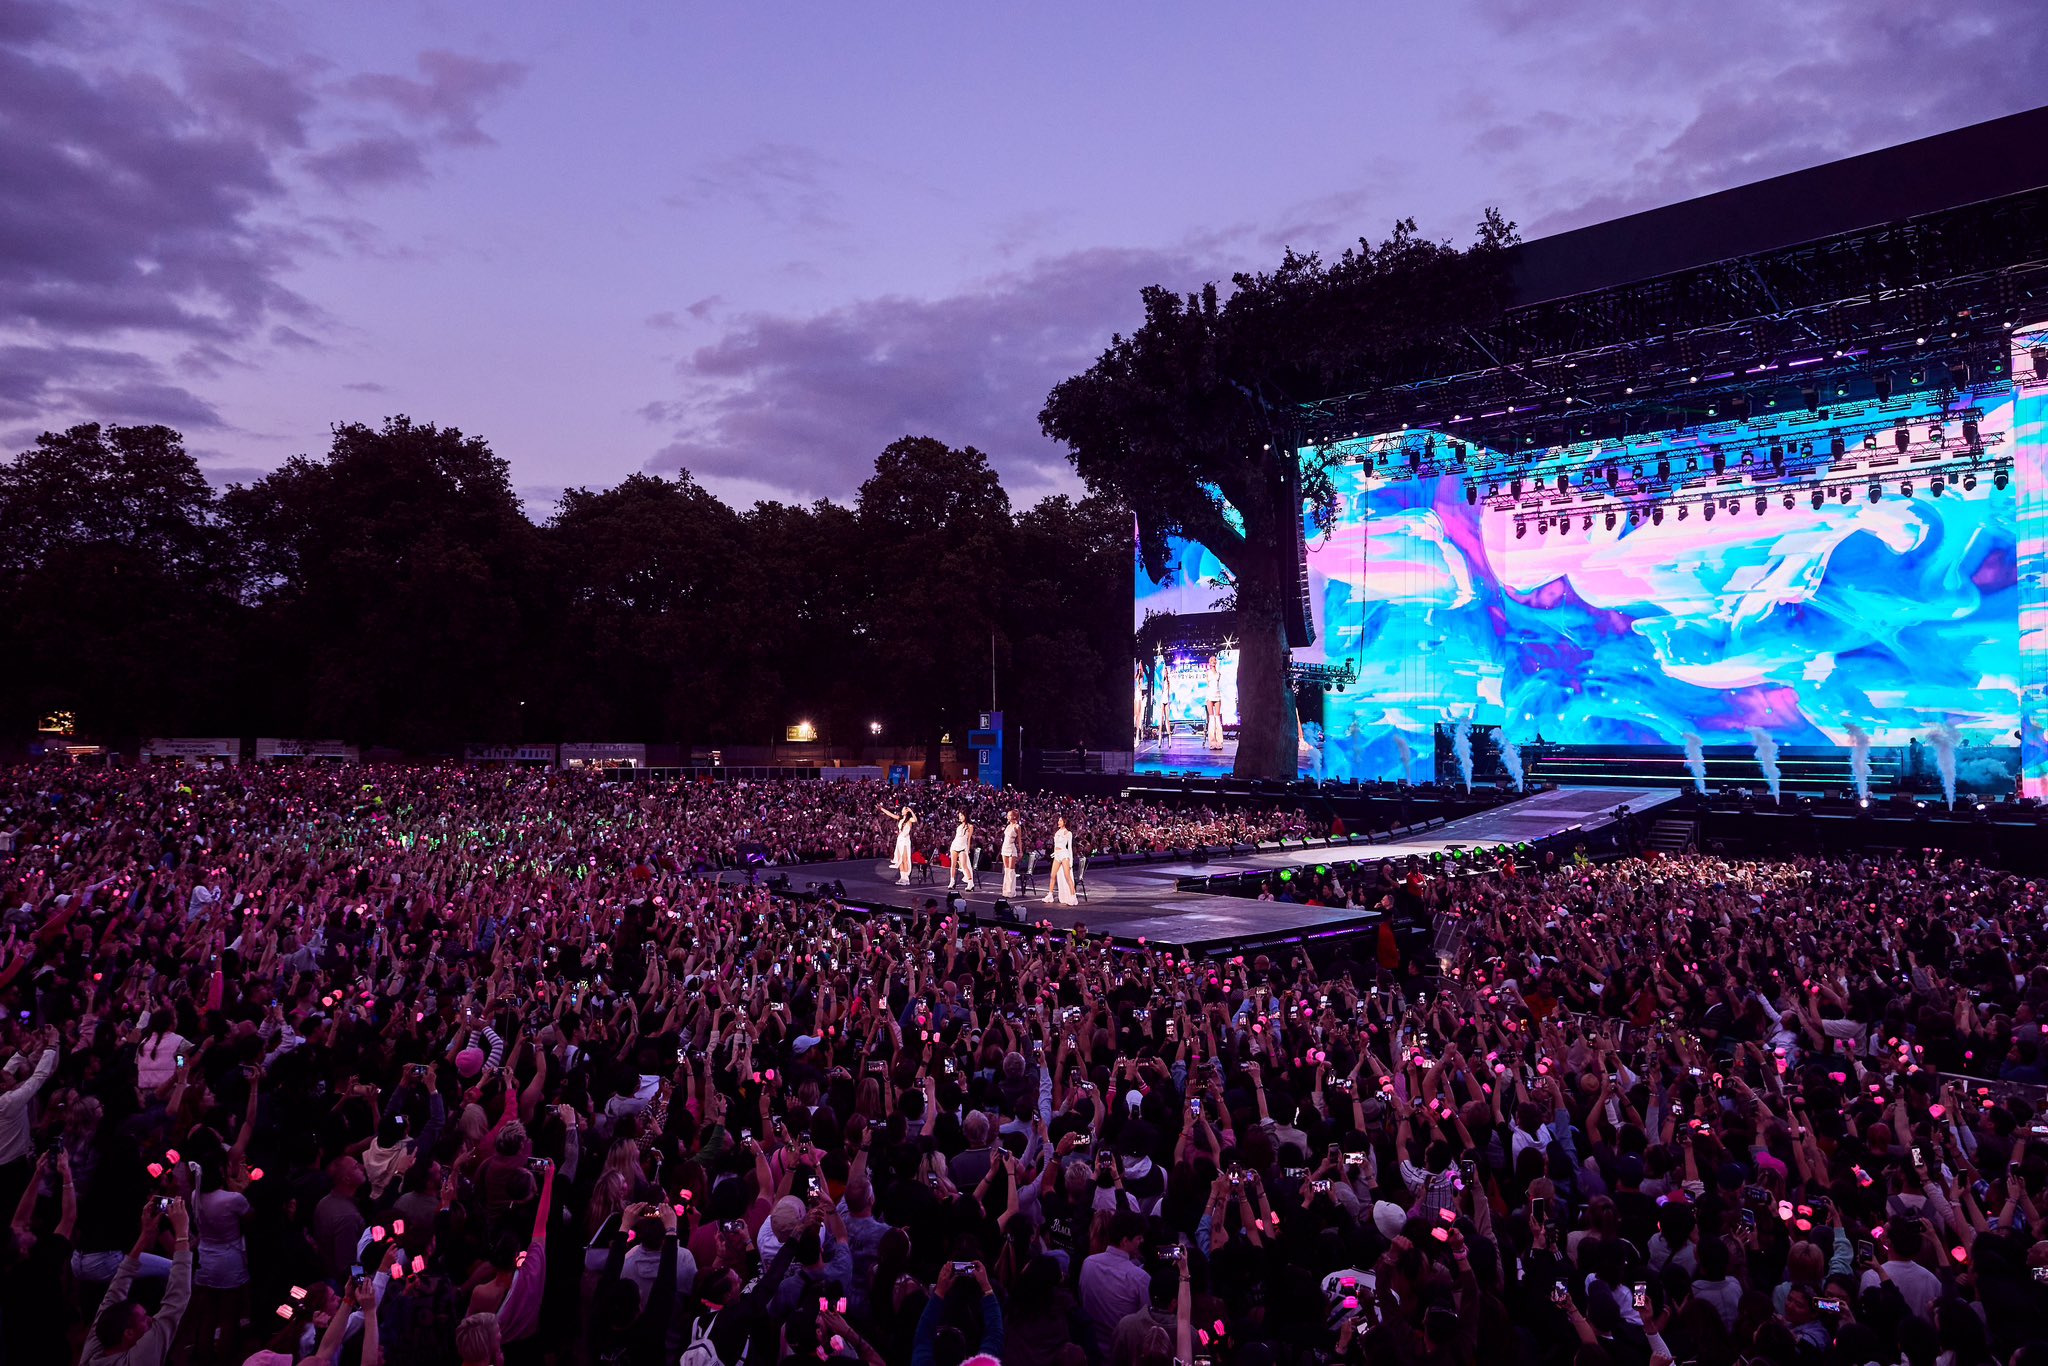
[{"x": 1170, "y": 901}]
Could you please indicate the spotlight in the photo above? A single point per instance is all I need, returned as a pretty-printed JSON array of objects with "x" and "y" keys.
[
  {"x": 1720, "y": 462},
  {"x": 1999, "y": 478},
  {"x": 1708, "y": 511},
  {"x": 1521, "y": 530},
  {"x": 1870, "y": 441},
  {"x": 1958, "y": 374},
  {"x": 1935, "y": 486},
  {"x": 1969, "y": 483},
  {"x": 1905, "y": 488},
  {"x": 1657, "y": 516},
  {"x": 1692, "y": 463},
  {"x": 1820, "y": 496},
  {"x": 1935, "y": 433},
  {"x": 1471, "y": 493},
  {"x": 1901, "y": 438},
  {"x": 1681, "y": 512},
  {"x": 1876, "y": 491},
  {"x": 1587, "y": 524},
  {"x": 1763, "y": 502},
  {"x": 1843, "y": 493},
  {"x": 1836, "y": 444},
  {"x": 1515, "y": 488},
  {"x": 1613, "y": 476},
  {"x": 1493, "y": 490},
  {"x": 1788, "y": 499},
  {"x": 1970, "y": 432},
  {"x": 1778, "y": 458},
  {"x": 1564, "y": 481},
  {"x": 2040, "y": 359},
  {"x": 1610, "y": 521},
  {"x": 1663, "y": 469},
  {"x": 1635, "y": 517}
]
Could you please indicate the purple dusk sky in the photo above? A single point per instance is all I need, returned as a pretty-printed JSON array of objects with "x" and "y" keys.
[{"x": 759, "y": 241}]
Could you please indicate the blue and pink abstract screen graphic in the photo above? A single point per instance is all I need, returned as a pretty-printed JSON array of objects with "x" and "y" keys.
[{"x": 1896, "y": 616}]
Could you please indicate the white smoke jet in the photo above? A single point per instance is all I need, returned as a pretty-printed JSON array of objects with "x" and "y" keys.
[
  {"x": 1859, "y": 760},
  {"x": 1944, "y": 738},
  {"x": 1696, "y": 762},
  {"x": 1461, "y": 745},
  {"x": 1766, "y": 757},
  {"x": 1407, "y": 754},
  {"x": 1510, "y": 757}
]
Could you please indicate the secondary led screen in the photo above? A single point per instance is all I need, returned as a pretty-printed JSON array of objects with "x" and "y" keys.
[{"x": 1896, "y": 616}]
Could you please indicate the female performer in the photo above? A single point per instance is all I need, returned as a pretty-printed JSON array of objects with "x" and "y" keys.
[
  {"x": 1013, "y": 844},
  {"x": 962, "y": 852},
  {"x": 1062, "y": 888},
  {"x": 906, "y": 822}
]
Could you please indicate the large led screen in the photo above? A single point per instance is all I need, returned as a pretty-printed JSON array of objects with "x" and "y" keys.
[{"x": 1896, "y": 616}]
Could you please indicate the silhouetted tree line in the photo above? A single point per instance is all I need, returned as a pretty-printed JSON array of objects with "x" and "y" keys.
[{"x": 393, "y": 592}]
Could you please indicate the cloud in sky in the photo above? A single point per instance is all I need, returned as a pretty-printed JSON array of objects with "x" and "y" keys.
[
  {"x": 147, "y": 231},
  {"x": 648, "y": 245},
  {"x": 806, "y": 403}
]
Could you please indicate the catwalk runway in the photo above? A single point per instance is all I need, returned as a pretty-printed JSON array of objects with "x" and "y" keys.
[{"x": 1166, "y": 902}]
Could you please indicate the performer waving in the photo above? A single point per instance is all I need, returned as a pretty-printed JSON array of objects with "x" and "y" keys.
[
  {"x": 1013, "y": 845},
  {"x": 906, "y": 823},
  {"x": 1062, "y": 889}
]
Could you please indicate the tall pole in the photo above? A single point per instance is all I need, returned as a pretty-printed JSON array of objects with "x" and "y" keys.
[{"x": 991, "y": 671}]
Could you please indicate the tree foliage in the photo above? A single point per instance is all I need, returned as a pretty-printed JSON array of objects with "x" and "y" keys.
[
  {"x": 1189, "y": 420},
  {"x": 392, "y": 591}
]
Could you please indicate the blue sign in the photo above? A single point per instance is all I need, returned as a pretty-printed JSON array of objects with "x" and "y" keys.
[{"x": 899, "y": 774}]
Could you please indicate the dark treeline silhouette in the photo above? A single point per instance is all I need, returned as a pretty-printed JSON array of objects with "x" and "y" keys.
[{"x": 393, "y": 592}]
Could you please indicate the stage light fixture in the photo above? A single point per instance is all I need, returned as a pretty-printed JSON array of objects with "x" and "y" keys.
[
  {"x": 1935, "y": 434},
  {"x": 1613, "y": 476},
  {"x": 1918, "y": 376},
  {"x": 1844, "y": 494},
  {"x": 1471, "y": 493},
  {"x": 1876, "y": 491},
  {"x": 1810, "y": 396},
  {"x": 1935, "y": 486},
  {"x": 1905, "y": 488},
  {"x": 1663, "y": 469},
  {"x": 1901, "y": 438},
  {"x": 1881, "y": 384},
  {"x": 1708, "y": 512},
  {"x": 1521, "y": 530},
  {"x": 1587, "y": 523},
  {"x": 1837, "y": 444},
  {"x": 1635, "y": 517},
  {"x": 1970, "y": 432},
  {"x": 1564, "y": 481},
  {"x": 1762, "y": 503},
  {"x": 1657, "y": 516},
  {"x": 1681, "y": 512},
  {"x": 1493, "y": 490},
  {"x": 1720, "y": 462},
  {"x": 1515, "y": 488},
  {"x": 1820, "y": 496},
  {"x": 1870, "y": 441},
  {"x": 1969, "y": 483},
  {"x": 2039, "y": 355},
  {"x": 1999, "y": 478},
  {"x": 1788, "y": 500},
  {"x": 1692, "y": 463},
  {"x": 1610, "y": 521}
]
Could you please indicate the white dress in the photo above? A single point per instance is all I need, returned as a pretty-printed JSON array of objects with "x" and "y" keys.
[
  {"x": 1013, "y": 842},
  {"x": 1062, "y": 869},
  {"x": 900, "y": 860}
]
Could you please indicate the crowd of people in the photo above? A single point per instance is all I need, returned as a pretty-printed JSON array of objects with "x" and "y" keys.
[{"x": 390, "y": 1066}]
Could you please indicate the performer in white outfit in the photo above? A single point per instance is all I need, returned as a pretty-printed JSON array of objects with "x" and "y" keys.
[
  {"x": 1062, "y": 886},
  {"x": 1214, "y": 693},
  {"x": 962, "y": 851},
  {"x": 906, "y": 822},
  {"x": 1013, "y": 844}
]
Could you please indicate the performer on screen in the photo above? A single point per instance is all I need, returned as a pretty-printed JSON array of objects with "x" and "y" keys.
[
  {"x": 1215, "y": 695},
  {"x": 906, "y": 822},
  {"x": 962, "y": 860},
  {"x": 1013, "y": 844},
  {"x": 1062, "y": 888}
]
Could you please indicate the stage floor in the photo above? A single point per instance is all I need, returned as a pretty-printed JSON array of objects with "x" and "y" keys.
[{"x": 1163, "y": 903}]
